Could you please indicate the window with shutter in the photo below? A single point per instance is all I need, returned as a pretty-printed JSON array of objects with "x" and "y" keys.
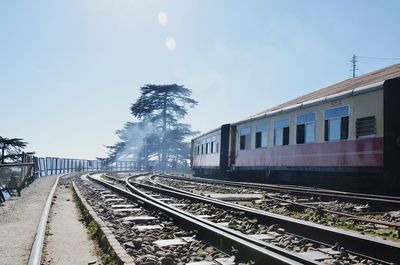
[{"x": 366, "y": 127}]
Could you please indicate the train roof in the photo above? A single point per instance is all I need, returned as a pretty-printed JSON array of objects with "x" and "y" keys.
[
  {"x": 207, "y": 133},
  {"x": 366, "y": 80},
  {"x": 352, "y": 86}
]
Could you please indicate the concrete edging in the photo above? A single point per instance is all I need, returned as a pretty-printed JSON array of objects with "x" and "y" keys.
[
  {"x": 35, "y": 256},
  {"x": 106, "y": 238}
]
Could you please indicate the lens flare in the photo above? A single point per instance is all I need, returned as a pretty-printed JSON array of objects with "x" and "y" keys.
[
  {"x": 170, "y": 43},
  {"x": 162, "y": 18}
]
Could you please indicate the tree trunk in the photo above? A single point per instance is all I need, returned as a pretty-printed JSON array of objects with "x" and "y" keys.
[
  {"x": 164, "y": 131},
  {"x": 2, "y": 153}
]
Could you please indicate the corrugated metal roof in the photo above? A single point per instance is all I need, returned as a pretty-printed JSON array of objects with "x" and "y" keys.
[{"x": 348, "y": 84}]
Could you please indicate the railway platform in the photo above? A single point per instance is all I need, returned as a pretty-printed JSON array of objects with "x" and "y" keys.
[
  {"x": 19, "y": 219},
  {"x": 21, "y": 216}
]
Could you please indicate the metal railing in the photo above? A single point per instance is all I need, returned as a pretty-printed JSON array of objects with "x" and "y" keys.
[
  {"x": 16, "y": 176},
  {"x": 53, "y": 165}
]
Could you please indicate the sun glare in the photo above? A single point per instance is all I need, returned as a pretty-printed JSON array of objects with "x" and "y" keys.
[
  {"x": 162, "y": 18},
  {"x": 170, "y": 43}
]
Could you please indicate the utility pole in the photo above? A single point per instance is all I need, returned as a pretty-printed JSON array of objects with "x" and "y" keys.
[{"x": 354, "y": 64}]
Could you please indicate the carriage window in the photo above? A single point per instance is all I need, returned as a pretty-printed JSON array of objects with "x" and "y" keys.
[
  {"x": 261, "y": 135},
  {"x": 213, "y": 144},
  {"x": 305, "y": 130},
  {"x": 217, "y": 147},
  {"x": 198, "y": 150},
  {"x": 366, "y": 127},
  {"x": 337, "y": 123},
  {"x": 245, "y": 138},
  {"x": 281, "y": 132},
  {"x": 202, "y": 148}
]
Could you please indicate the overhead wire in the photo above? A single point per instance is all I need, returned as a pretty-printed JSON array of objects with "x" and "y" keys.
[{"x": 378, "y": 58}]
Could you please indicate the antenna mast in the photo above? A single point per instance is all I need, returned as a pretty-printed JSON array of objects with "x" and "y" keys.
[{"x": 354, "y": 65}]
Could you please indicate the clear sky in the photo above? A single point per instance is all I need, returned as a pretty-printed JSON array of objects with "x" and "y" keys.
[{"x": 69, "y": 69}]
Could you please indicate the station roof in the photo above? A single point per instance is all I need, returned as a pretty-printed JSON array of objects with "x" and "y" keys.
[{"x": 348, "y": 84}]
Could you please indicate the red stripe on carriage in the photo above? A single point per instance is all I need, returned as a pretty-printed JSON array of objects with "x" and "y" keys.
[{"x": 351, "y": 153}]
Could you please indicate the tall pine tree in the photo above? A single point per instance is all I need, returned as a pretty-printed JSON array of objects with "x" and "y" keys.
[{"x": 164, "y": 106}]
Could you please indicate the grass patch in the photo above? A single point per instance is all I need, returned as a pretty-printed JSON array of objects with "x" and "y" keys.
[
  {"x": 92, "y": 229},
  {"x": 94, "y": 233},
  {"x": 103, "y": 176}
]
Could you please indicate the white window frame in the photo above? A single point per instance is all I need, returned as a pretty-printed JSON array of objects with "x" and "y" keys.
[
  {"x": 266, "y": 135},
  {"x": 246, "y": 135},
  {"x": 305, "y": 123},
  {"x": 337, "y": 117},
  {"x": 281, "y": 119}
]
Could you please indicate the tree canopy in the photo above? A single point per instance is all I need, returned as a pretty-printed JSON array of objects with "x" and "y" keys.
[
  {"x": 11, "y": 148},
  {"x": 158, "y": 132},
  {"x": 164, "y": 105}
]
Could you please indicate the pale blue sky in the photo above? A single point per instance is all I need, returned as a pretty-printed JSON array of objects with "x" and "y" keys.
[{"x": 69, "y": 69}]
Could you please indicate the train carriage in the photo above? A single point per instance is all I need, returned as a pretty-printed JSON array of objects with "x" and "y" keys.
[
  {"x": 210, "y": 151},
  {"x": 343, "y": 136}
]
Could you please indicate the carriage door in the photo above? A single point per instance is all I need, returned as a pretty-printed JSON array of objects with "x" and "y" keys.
[{"x": 232, "y": 153}]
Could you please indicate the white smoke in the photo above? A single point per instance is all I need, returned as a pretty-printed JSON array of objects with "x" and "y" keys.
[{"x": 135, "y": 136}]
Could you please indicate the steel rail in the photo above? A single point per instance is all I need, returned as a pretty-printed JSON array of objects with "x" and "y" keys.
[
  {"x": 300, "y": 188},
  {"x": 361, "y": 244},
  {"x": 347, "y": 215},
  {"x": 378, "y": 201},
  {"x": 268, "y": 246},
  {"x": 316, "y": 189},
  {"x": 216, "y": 236},
  {"x": 35, "y": 256}
]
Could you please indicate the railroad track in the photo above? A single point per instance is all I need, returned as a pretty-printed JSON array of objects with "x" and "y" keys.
[
  {"x": 362, "y": 218},
  {"x": 373, "y": 200},
  {"x": 342, "y": 244},
  {"x": 383, "y": 221},
  {"x": 249, "y": 251}
]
